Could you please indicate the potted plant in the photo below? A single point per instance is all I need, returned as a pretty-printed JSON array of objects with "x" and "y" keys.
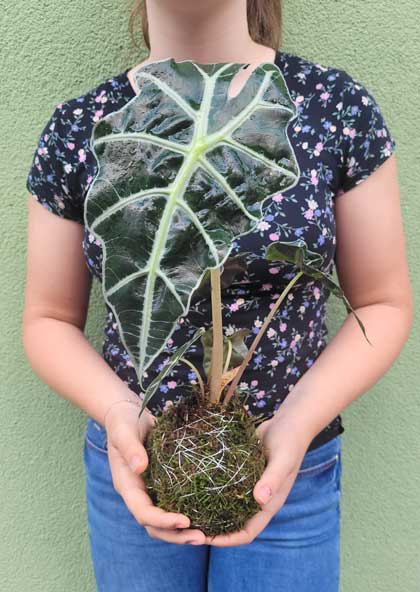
[{"x": 183, "y": 171}]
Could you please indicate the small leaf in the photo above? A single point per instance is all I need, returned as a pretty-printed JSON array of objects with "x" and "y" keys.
[
  {"x": 297, "y": 252},
  {"x": 238, "y": 352},
  {"x": 151, "y": 389}
]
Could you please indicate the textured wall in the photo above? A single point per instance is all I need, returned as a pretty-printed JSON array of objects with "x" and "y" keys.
[{"x": 52, "y": 51}]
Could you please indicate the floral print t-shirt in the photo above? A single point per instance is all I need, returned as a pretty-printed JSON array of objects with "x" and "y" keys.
[{"x": 339, "y": 137}]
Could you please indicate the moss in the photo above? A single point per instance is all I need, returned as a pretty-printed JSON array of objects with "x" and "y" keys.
[{"x": 204, "y": 460}]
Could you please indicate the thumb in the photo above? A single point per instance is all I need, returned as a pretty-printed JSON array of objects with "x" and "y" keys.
[
  {"x": 128, "y": 440},
  {"x": 271, "y": 480}
]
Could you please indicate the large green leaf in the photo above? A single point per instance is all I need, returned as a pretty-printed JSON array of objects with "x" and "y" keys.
[{"x": 183, "y": 170}]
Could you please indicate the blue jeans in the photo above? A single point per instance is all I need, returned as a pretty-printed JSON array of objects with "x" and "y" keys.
[{"x": 298, "y": 550}]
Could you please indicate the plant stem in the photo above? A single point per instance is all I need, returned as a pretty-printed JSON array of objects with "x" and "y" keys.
[
  {"x": 216, "y": 368},
  {"x": 196, "y": 372},
  {"x": 258, "y": 337}
]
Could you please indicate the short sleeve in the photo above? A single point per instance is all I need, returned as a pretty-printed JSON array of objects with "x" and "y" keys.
[
  {"x": 366, "y": 140},
  {"x": 51, "y": 175}
]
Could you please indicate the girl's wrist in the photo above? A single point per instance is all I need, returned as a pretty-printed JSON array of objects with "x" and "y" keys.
[{"x": 126, "y": 401}]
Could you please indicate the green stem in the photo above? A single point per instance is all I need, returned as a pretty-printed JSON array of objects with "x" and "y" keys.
[
  {"x": 258, "y": 337},
  {"x": 228, "y": 356},
  {"x": 216, "y": 369},
  {"x": 196, "y": 372}
]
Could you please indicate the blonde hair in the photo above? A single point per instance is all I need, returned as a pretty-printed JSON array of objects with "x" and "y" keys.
[{"x": 264, "y": 22}]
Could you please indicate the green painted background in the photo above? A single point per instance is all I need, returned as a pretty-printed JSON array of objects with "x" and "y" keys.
[{"x": 52, "y": 51}]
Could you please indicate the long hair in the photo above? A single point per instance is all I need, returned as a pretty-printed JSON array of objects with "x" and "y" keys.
[{"x": 264, "y": 22}]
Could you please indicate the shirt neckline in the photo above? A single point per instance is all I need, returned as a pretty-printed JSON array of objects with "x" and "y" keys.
[{"x": 124, "y": 74}]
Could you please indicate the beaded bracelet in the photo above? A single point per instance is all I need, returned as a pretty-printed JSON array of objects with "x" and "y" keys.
[{"x": 120, "y": 401}]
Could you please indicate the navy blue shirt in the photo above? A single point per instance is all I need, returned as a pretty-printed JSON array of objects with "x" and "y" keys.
[{"x": 339, "y": 138}]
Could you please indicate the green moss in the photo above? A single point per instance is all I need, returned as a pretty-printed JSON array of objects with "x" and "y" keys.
[{"x": 204, "y": 460}]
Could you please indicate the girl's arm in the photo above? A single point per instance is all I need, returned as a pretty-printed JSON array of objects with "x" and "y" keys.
[
  {"x": 57, "y": 292},
  {"x": 56, "y": 302},
  {"x": 373, "y": 272}
]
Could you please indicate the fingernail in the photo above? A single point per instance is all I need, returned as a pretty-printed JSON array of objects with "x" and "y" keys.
[
  {"x": 135, "y": 463},
  {"x": 265, "y": 492}
]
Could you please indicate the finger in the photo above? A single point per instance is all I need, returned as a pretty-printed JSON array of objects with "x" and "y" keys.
[
  {"x": 127, "y": 438},
  {"x": 244, "y": 536},
  {"x": 186, "y": 536},
  {"x": 132, "y": 488},
  {"x": 276, "y": 474}
]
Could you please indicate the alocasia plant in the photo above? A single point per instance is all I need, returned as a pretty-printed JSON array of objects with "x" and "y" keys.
[{"x": 183, "y": 171}]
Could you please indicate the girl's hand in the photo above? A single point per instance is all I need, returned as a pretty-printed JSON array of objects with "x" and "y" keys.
[
  {"x": 128, "y": 458},
  {"x": 285, "y": 449}
]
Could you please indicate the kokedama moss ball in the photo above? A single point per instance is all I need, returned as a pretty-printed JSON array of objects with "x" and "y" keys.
[{"x": 204, "y": 461}]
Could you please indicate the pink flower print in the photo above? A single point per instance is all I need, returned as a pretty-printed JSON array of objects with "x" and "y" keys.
[
  {"x": 318, "y": 148},
  {"x": 70, "y": 145},
  {"x": 266, "y": 287},
  {"x": 311, "y": 334},
  {"x": 274, "y": 363},
  {"x": 130, "y": 363},
  {"x": 260, "y": 394},
  {"x": 277, "y": 198},
  {"x": 273, "y": 270},
  {"x": 98, "y": 115},
  {"x": 311, "y": 322},
  {"x": 89, "y": 179},
  {"x": 98, "y": 99},
  {"x": 171, "y": 384},
  {"x": 339, "y": 106},
  {"x": 273, "y": 236},
  {"x": 167, "y": 404},
  {"x": 299, "y": 99},
  {"x": 312, "y": 204},
  {"x": 292, "y": 343},
  {"x": 333, "y": 128},
  {"x": 325, "y": 96},
  {"x": 297, "y": 129},
  {"x": 387, "y": 149},
  {"x": 317, "y": 293},
  {"x": 234, "y": 307},
  {"x": 254, "y": 383},
  {"x": 351, "y": 132},
  {"x": 82, "y": 155},
  {"x": 309, "y": 214},
  {"x": 271, "y": 333},
  {"x": 283, "y": 327},
  {"x": 42, "y": 151},
  {"x": 379, "y": 133},
  {"x": 263, "y": 225},
  {"x": 319, "y": 86},
  {"x": 243, "y": 385}
]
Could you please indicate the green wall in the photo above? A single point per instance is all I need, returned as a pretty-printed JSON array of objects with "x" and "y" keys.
[{"x": 52, "y": 51}]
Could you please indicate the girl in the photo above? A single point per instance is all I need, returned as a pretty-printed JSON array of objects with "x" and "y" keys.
[{"x": 345, "y": 206}]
